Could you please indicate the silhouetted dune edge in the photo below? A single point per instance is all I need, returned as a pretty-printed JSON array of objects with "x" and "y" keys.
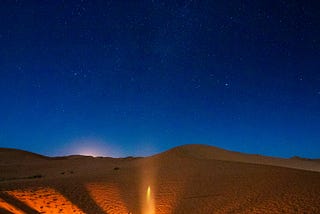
[{"x": 193, "y": 151}]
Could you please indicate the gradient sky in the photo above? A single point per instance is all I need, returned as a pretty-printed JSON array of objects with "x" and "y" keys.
[{"x": 130, "y": 77}]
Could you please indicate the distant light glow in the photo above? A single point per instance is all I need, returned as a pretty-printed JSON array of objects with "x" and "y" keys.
[
  {"x": 89, "y": 151},
  {"x": 91, "y": 147}
]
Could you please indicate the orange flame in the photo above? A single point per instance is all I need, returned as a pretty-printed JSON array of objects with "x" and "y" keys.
[
  {"x": 148, "y": 193},
  {"x": 149, "y": 205}
]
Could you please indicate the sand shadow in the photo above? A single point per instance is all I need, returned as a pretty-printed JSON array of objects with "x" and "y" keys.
[
  {"x": 17, "y": 203},
  {"x": 78, "y": 197},
  {"x": 4, "y": 211},
  {"x": 121, "y": 192},
  {"x": 80, "y": 194}
]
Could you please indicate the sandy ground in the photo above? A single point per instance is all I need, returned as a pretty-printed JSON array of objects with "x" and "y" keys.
[{"x": 187, "y": 179}]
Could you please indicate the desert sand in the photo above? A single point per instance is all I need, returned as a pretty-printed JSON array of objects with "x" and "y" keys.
[{"x": 186, "y": 179}]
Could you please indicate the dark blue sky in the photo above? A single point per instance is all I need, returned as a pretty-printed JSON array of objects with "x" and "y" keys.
[{"x": 139, "y": 77}]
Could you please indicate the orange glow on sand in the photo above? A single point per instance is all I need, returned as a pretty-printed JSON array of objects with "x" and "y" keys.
[
  {"x": 8, "y": 207},
  {"x": 45, "y": 200}
]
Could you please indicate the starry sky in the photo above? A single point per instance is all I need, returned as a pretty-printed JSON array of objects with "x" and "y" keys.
[{"x": 121, "y": 78}]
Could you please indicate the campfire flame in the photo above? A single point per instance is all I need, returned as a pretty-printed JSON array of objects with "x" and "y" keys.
[
  {"x": 149, "y": 206},
  {"x": 148, "y": 193}
]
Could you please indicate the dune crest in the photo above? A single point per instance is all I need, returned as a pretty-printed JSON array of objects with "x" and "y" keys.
[{"x": 199, "y": 151}]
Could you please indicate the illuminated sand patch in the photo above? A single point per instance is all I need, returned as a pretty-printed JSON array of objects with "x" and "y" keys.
[
  {"x": 167, "y": 198},
  {"x": 8, "y": 207},
  {"x": 45, "y": 200},
  {"x": 107, "y": 197}
]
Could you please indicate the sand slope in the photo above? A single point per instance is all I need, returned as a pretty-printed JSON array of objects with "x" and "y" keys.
[
  {"x": 210, "y": 152},
  {"x": 186, "y": 179}
]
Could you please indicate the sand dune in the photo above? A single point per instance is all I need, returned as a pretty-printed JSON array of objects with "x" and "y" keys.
[
  {"x": 186, "y": 179},
  {"x": 210, "y": 152}
]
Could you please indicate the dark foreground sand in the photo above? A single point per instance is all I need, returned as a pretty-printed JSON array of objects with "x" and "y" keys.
[{"x": 188, "y": 179}]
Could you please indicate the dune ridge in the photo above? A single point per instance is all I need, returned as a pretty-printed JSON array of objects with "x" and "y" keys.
[
  {"x": 200, "y": 151},
  {"x": 186, "y": 179}
]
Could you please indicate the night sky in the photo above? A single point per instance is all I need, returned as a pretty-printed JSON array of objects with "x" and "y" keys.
[{"x": 121, "y": 78}]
